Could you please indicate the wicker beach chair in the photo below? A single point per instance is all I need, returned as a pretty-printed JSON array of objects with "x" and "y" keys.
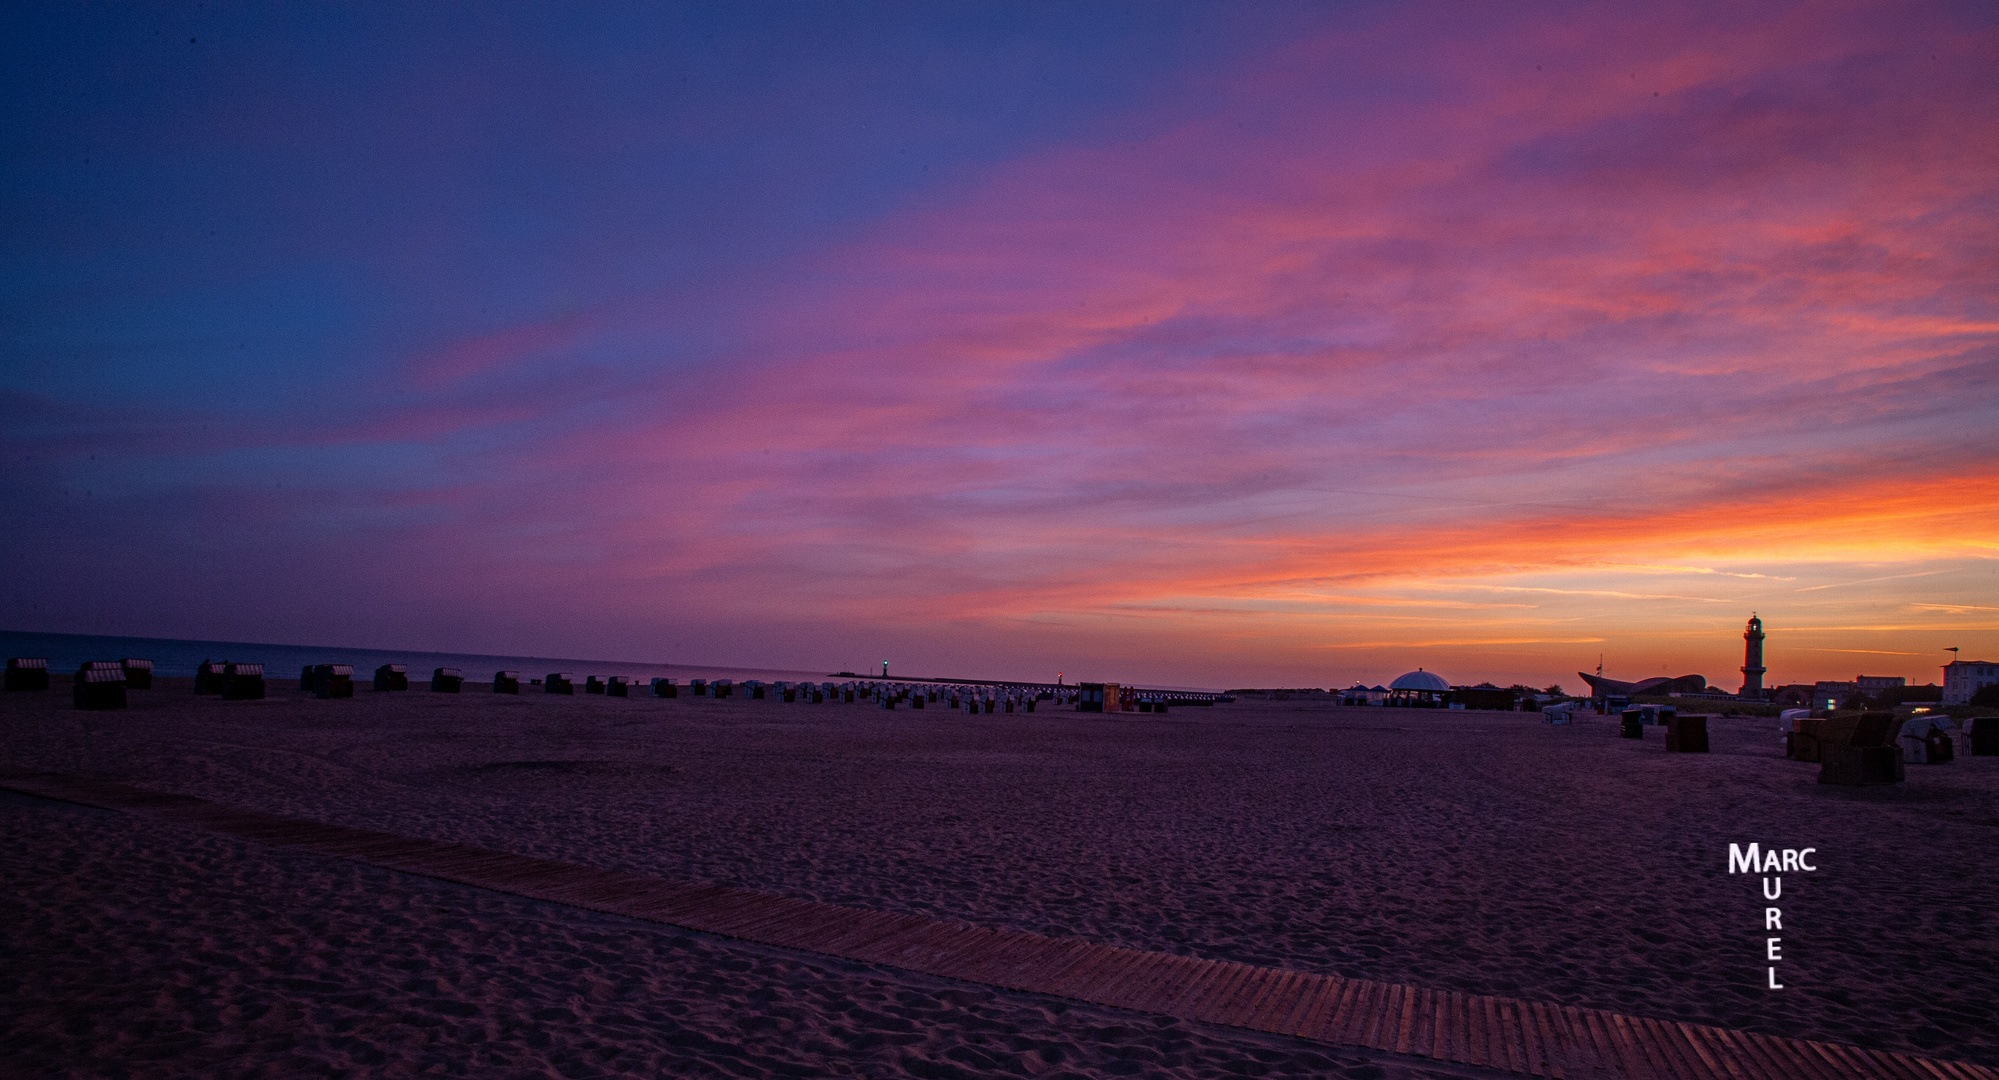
[
  {"x": 100, "y": 684},
  {"x": 392, "y": 677},
  {"x": 138, "y": 673},
  {"x": 447, "y": 680},
  {"x": 28, "y": 673},
  {"x": 242, "y": 682},
  {"x": 333, "y": 681}
]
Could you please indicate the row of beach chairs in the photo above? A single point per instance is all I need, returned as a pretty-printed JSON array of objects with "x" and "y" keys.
[
  {"x": 1874, "y": 747},
  {"x": 98, "y": 684},
  {"x": 102, "y": 685}
]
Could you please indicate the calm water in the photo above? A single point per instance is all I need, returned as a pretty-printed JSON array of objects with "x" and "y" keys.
[{"x": 172, "y": 656}]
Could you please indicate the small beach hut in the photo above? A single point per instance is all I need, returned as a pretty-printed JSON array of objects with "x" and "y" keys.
[
  {"x": 593, "y": 685},
  {"x": 28, "y": 673},
  {"x": 1099, "y": 697},
  {"x": 392, "y": 677},
  {"x": 100, "y": 684},
  {"x": 559, "y": 682},
  {"x": 506, "y": 682},
  {"x": 138, "y": 673},
  {"x": 333, "y": 681},
  {"x": 242, "y": 682},
  {"x": 447, "y": 680},
  {"x": 665, "y": 688}
]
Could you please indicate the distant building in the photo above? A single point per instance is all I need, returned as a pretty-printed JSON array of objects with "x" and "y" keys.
[
  {"x": 1963, "y": 678},
  {"x": 1831, "y": 694},
  {"x": 1874, "y": 684},
  {"x": 1658, "y": 686},
  {"x": 1485, "y": 696}
]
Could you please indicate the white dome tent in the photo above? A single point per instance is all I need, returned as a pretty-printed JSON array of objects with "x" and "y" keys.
[{"x": 1419, "y": 689}]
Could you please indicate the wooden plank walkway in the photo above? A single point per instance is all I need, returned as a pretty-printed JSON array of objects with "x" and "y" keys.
[{"x": 1525, "y": 1037}]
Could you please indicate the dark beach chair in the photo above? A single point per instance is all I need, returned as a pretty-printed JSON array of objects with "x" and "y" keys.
[
  {"x": 593, "y": 685},
  {"x": 1631, "y": 724},
  {"x": 506, "y": 682},
  {"x": 208, "y": 677},
  {"x": 305, "y": 678},
  {"x": 333, "y": 681},
  {"x": 100, "y": 684},
  {"x": 447, "y": 680},
  {"x": 618, "y": 686},
  {"x": 138, "y": 673},
  {"x": 392, "y": 677},
  {"x": 242, "y": 682},
  {"x": 723, "y": 688},
  {"x": 665, "y": 688},
  {"x": 697, "y": 687},
  {"x": 1984, "y": 736},
  {"x": 28, "y": 673},
  {"x": 559, "y": 682},
  {"x": 1859, "y": 751},
  {"x": 1686, "y": 734}
]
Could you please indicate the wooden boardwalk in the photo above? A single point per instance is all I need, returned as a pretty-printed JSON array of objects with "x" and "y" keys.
[{"x": 1470, "y": 1029}]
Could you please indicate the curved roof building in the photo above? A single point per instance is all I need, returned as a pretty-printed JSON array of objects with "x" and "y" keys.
[{"x": 1421, "y": 680}]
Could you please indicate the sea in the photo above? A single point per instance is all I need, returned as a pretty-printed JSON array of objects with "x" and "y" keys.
[{"x": 176, "y": 656}]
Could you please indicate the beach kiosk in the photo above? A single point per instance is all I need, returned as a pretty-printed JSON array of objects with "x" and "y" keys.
[
  {"x": 333, "y": 681},
  {"x": 1098, "y": 697},
  {"x": 506, "y": 682},
  {"x": 242, "y": 682},
  {"x": 100, "y": 684},
  {"x": 392, "y": 677},
  {"x": 138, "y": 673},
  {"x": 447, "y": 680},
  {"x": 559, "y": 682},
  {"x": 28, "y": 673}
]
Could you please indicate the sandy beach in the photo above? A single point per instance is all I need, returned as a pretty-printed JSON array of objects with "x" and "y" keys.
[{"x": 1484, "y": 852}]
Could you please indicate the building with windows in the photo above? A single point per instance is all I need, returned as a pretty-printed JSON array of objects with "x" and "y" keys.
[
  {"x": 1963, "y": 678},
  {"x": 1874, "y": 684}
]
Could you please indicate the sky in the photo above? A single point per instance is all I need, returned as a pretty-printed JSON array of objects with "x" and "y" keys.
[{"x": 1193, "y": 344}]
